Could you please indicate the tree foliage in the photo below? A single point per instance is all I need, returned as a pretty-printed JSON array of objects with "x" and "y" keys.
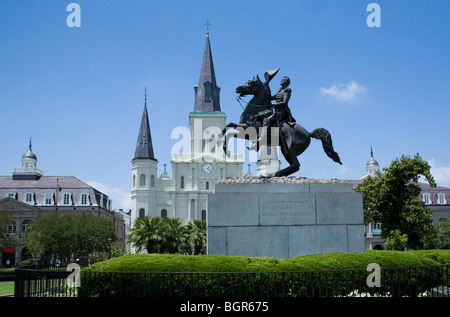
[
  {"x": 442, "y": 240},
  {"x": 392, "y": 198},
  {"x": 5, "y": 238},
  {"x": 168, "y": 235},
  {"x": 69, "y": 234}
]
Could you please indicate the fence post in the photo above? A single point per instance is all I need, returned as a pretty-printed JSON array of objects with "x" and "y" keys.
[{"x": 18, "y": 283}]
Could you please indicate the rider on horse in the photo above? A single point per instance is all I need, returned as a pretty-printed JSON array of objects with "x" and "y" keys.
[{"x": 282, "y": 112}]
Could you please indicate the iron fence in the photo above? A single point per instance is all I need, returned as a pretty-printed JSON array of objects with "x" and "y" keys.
[{"x": 394, "y": 282}]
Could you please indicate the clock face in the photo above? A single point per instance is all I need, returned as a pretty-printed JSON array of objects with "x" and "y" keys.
[{"x": 207, "y": 168}]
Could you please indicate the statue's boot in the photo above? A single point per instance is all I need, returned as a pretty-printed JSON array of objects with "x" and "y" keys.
[{"x": 261, "y": 140}]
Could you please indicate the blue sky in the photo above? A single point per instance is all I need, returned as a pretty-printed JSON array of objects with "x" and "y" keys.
[{"x": 79, "y": 92}]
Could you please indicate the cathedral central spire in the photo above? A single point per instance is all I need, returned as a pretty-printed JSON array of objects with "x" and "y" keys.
[{"x": 207, "y": 93}]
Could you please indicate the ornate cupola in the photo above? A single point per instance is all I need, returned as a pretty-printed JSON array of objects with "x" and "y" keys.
[
  {"x": 29, "y": 170},
  {"x": 371, "y": 167}
]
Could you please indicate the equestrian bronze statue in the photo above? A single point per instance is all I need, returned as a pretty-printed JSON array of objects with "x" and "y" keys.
[{"x": 273, "y": 122}]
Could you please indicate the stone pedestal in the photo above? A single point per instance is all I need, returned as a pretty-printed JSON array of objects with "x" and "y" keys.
[{"x": 284, "y": 217}]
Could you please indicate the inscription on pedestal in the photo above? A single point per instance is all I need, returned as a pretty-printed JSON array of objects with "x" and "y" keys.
[{"x": 287, "y": 210}]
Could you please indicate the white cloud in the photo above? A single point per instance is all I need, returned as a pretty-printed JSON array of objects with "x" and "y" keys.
[
  {"x": 120, "y": 199},
  {"x": 344, "y": 92},
  {"x": 441, "y": 174}
]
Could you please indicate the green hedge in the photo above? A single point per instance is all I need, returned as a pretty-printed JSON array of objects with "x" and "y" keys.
[
  {"x": 218, "y": 263},
  {"x": 6, "y": 272},
  {"x": 316, "y": 278}
]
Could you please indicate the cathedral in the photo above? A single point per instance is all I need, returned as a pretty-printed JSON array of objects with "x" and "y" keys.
[{"x": 185, "y": 194}]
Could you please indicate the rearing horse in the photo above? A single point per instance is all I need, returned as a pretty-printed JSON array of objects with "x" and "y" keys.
[{"x": 293, "y": 138}]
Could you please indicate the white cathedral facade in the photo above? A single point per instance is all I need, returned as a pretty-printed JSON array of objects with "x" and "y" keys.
[{"x": 194, "y": 174}]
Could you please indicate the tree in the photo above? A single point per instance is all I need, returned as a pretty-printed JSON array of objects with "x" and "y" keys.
[
  {"x": 442, "y": 240},
  {"x": 197, "y": 229},
  {"x": 6, "y": 239},
  {"x": 174, "y": 235},
  {"x": 392, "y": 198},
  {"x": 396, "y": 240},
  {"x": 69, "y": 235},
  {"x": 147, "y": 234},
  {"x": 168, "y": 235}
]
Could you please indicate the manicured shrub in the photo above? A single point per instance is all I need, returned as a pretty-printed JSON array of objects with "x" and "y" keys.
[{"x": 329, "y": 274}]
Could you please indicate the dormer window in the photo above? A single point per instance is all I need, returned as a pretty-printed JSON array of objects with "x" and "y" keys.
[
  {"x": 207, "y": 91},
  {"x": 48, "y": 200},
  {"x": 441, "y": 199},
  {"x": 426, "y": 198},
  {"x": 12, "y": 195},
  {"x": 67, "y": 199},
  {"x": 29, "y": 198},
  {"x": 84, "y": 199}
]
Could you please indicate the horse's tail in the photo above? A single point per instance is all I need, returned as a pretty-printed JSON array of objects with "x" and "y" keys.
[{"x": 325, "y": 136}]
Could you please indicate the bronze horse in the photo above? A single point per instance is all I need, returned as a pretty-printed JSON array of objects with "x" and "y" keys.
[{"x": 292, "y": 137}]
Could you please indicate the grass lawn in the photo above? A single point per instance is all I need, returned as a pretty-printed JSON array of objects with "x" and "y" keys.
[{"x": 6, "y": 288}]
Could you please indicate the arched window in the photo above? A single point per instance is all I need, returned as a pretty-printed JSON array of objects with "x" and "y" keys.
[
  {"x": 207, "y": 91},
  {"x": 134, "y": 180},
  {"x": 163, "y": 214},
  {"x": 152, "y": 180},
  {"x": 203, "y": 214},
  {"x": 207, "y": 185},
  {"x": 142, "y": 180},
  {"x": 141, "y": 213},
  {"x": 182, "y": 182},
  {"x": 26, "y": 224}
]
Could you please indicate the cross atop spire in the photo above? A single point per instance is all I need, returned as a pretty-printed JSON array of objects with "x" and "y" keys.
[{"x": 207, "y": 26}]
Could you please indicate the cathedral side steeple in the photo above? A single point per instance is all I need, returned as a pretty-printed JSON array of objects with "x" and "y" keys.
[
  {"x": 207, "y": 93},
  {"x": 144, "y": 145},
  {"x": 144, "y": 172}
]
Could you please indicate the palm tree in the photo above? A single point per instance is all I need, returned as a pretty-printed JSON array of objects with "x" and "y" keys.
[
  {"x": 168, "y": 235},
  {"x": 148, "y": 233},
  {"x": 197, "y": 230},
  {"x": 174, "y": 235}
]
